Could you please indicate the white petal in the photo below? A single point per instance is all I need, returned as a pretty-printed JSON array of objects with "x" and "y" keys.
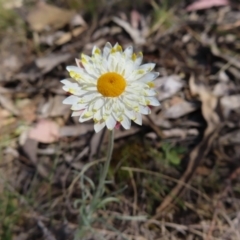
[
  {"x": 107, "y": 49},
  {"x": 111, "y": 122},
  {"x": 112, "y": 63},
  {"x": 78, "y": 106},
  {"x": 99, "y": 126},
  {"x": 86, "y": 115},
  {"x": 107, "y": 108},
  {"x": 130, "y": 102},
  {"x": 71, "y": 100},
  {"x": 103, "y": 67},
  {"x": 89, "y": 97},
  {"x": 138, "y": 61},
  {"x": 96, "y": 51},
  {"x": 128, "y": 52},
  {"x": 129, "y": 67},
  {"x": 136, "y": 75},
  {"x": 144, "y": 110},
  {"x": 138, "y": 118},
  {"x": 89, "y": 66},
  {"x": 130, "y": 114},
  {"x": 148, "y": 66},
  {"x": 88, "y": 88},
  {"x": 149, "y": 77},
  {"x": 98, "y": 103},
  {"x": 120, "y": 67},
  {"x": 75, "y": 69},
  {"x": 66, "y": 82},
  {"x": 126, "y": 122},
  {"x": 150, "y": 92},
  {"x": 152, "y": 101},
  {"x": 98, "y": 115},
  {"x": 73, "y": 89}
]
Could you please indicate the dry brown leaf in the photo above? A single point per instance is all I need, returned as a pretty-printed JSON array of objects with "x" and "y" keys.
[
  {"x": 204, "y": 171},
  {"x": 45, "y": 16},
  {"x": 12, "y": 4},
  {"x": 134, "y": 33},
  {"x": 57, "y": 108},
  {"x": 223, "y": 89},
  {"x": 77, "y": 20},
  {"x": 12, "y": 63},
  {"x": 28, "y": 110},
  {"x": 179, "y": 132},
  {"x": 230, "y": 138},
  {"x": 178, "y": 110},
  {"x": 231, "y": 102},
  {"x": 209, "y": 103},
  {"x": 51, "y": 38},
  {"x": 45, "y": 131},
  {"x": 77, "y": 130},
  {"x": 204, "y": 4},
  {"x": 168, "y": 86},
  {"x": 53, "y": 107},
  {"x": 47, "y": 63},
  {"x": 4, "y": 114},
  {"x": 8, "y": 104},
  {"x": 66, "y": 37}
]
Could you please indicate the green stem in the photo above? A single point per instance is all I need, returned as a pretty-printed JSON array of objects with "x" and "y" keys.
[
  {"x": 99, "y": 191},
  {"x": 103, "y": 174}
]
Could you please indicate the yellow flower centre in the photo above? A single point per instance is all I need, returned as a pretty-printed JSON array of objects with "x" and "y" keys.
[{"x": 111, "y": 84}]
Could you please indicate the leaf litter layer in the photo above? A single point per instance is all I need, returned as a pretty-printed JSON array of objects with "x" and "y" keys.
[{"x": 176, "y": 177}]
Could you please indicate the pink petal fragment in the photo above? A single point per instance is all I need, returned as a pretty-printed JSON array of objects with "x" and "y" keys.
[
  {"x": 45, "y": 131},
  {"x": 118, "y": 125}
]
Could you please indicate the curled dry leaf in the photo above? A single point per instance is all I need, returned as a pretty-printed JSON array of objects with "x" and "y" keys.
[{"x": 45, "y": 131}]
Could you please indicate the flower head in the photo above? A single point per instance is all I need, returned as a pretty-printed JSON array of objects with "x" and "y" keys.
[{"x": 111, "y": 87}]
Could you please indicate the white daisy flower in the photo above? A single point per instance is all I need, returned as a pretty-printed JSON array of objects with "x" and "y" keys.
[{"x": 111, "y": 87}]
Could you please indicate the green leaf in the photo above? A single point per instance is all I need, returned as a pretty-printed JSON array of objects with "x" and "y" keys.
[{"x": 173, "y": 157}]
